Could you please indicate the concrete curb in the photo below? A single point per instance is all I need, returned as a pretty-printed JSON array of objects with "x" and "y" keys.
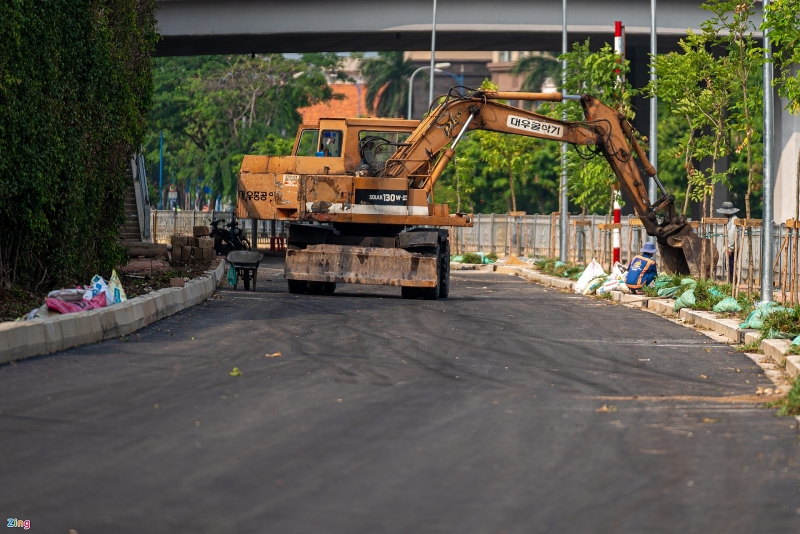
[
  {"x": 728, "y": 328},
  {"x": 455, "y": 266},
  {"x": 20, "y": 340}
]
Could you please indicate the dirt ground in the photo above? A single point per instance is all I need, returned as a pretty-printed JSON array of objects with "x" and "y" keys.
[{"x": 15, "y": 302}]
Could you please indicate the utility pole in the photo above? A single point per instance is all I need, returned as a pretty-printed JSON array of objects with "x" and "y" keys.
[
  {"x": 161, "y": 172},
  {"x": 767, "y": 253},
  {"x": 433, "y": 53},
  {"x": 563, "y": 249},
  {"x": 652, "y": 189},
  {"x": 619, "y": 49}
]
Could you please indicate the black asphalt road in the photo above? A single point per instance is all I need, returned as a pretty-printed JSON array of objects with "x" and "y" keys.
[{"x": 478, "y": 414}]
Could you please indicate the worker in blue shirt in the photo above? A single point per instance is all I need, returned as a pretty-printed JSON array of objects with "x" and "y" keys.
[{"x": 642, "y": 269}]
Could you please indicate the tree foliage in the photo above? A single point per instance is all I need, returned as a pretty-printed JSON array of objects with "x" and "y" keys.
[
  {"x": 214, "y": 110},
  {"x": 782, "y": 17},
  {"x": 713, "y": 87},
  {"x": 602, "y": 75},
  {"x": 386, "y": 77},
  {"x": 75, "y": 87},
  {"x": 536, "y": 69}
]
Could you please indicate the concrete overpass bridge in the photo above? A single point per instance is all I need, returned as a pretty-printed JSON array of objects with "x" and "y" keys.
[{"x": 193, "y": 27}]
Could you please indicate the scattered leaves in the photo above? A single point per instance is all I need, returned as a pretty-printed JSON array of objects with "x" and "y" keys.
[
  {"x": 274, "y": 355},
  {"x": 235, "y": 372},
  {"x": 607, "y": 408}
]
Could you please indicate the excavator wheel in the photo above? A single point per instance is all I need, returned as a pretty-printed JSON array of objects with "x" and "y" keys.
[
  {"x": 427, "y": 293},
  {"x": 297, "y": 287},
  {"x": 444, "y": 269},
  {"x": 316, "y": 288},
  {"x": 329, "y": 288}
]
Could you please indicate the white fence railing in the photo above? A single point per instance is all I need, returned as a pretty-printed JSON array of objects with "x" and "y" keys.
[{"x": 529, "y": 235}]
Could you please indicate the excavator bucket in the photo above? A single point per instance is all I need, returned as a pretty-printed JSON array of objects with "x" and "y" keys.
[{"x": 687, "y": 253}]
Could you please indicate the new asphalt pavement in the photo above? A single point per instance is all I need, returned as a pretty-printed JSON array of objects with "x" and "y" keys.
[{"x": 507, "y": 408}]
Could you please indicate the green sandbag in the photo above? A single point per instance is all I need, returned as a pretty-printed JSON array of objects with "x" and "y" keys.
[
  {"x": 796, "y": 341},
  {"x": 668, "y": 291},
  {"x": 558, "y": 264},
  {"x": 233, "y": 278},
  {"x": 686, "y": 300},
  {"x": 728, "y": 304},
  {"x": 716, "y": 293},
  {"x": 662, "y": 280},
  {"x": 755, "y": 319},
  {"x": 689, "y": 282},
  {"x": 776, "y": 334}
]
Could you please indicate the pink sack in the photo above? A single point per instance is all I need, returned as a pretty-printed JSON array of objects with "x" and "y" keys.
[{"x": 62, "y": 306}]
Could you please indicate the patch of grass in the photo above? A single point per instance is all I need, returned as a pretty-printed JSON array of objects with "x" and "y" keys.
[
  {"x": 789, "y": 406},
  {"x": 554, "y": 267},
  {"x": 754, "y": 346},
  {"x": 492, "y": 256},
  {"x": 471, "y": 257},
  {"x": 708, "y": 293},
  {"x": 782, "y": 323},
  {"x": 793, "y": 350}
]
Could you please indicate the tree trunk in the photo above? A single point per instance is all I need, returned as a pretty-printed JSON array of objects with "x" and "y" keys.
[{"x": 511, "y": 186}]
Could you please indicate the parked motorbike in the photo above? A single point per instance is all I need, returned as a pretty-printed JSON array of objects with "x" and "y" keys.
[
  {"x": 238, "y": 239},
  {"x": 227, "y": 240}
]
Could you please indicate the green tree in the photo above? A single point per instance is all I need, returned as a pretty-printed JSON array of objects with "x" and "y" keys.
[
  {"x": 386, "y": 77},
  {"x": 590, "y": 179},
  {"x": 678, "y": 88},
  {"x": 782, "y": 17},
  {"x": 536, "y": 69},
  {"x": 75, "y": 87},
  {"x": 732, "y": 27},
  {"x": 216, "y": 109}
]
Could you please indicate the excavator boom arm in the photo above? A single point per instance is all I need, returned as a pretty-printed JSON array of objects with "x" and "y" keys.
[{"x": 425, "y": 154}]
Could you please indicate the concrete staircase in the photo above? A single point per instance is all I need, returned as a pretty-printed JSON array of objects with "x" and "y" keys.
[{"x": 130, "y": 230}]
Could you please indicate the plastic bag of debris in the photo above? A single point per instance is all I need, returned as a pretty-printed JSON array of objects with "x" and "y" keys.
[
  {"x": 592, "y": 271},
  {"x": 233, "y": 278},
  {"x": 69, "y": 295},
  {"x": 609, "y": 286},
  {"x": 63, "y": 306},
  {"x": 595, "y": 283},
  {"x": 98, "y": 286},
  {"x": 116, "y": 290}
]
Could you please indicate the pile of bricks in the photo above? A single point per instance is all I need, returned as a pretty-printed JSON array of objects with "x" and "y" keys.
[{"x": 193, "y": 248}]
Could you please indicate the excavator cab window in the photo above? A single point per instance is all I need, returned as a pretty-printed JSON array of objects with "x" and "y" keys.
[
  {"x": 309, "y": 140},
  {"x": 331, "y": 146},
  {"x": 377, "y": 147}
]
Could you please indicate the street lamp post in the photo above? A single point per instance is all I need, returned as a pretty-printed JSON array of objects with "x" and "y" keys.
[
  {"x": 767, "y": 253},
  {"x": 563, "y": 249},
  {"x": 433, "y": 53},
  {"x": 435, "y": 68}
]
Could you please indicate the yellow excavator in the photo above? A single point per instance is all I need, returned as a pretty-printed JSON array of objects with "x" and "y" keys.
[{"x": 359, "y": 191}]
